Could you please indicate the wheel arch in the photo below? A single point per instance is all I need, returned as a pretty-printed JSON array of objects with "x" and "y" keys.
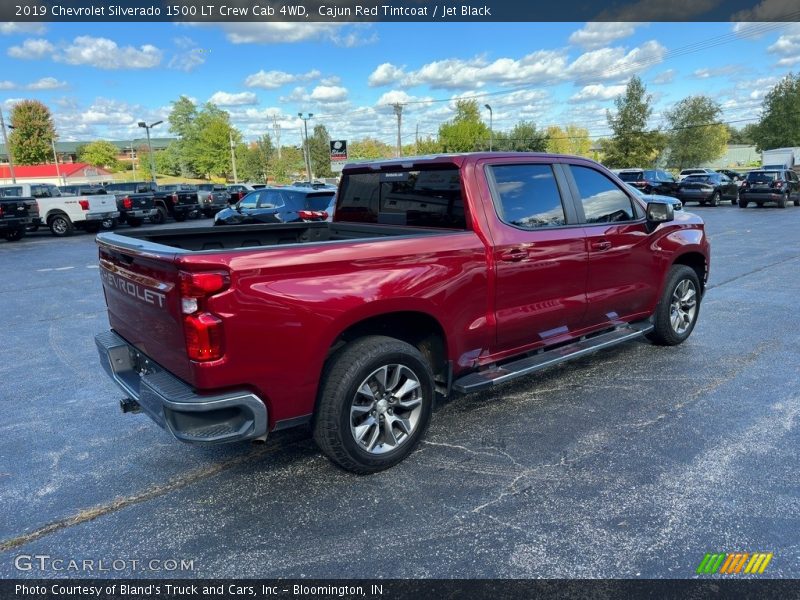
[{"x": 697, "y": 262}]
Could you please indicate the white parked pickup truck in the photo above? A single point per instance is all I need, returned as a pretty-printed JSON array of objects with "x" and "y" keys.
[{"x": 63, "y": 214}]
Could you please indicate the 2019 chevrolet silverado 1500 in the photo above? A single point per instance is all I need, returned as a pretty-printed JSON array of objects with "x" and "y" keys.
[{"x": 448, "y": 274}]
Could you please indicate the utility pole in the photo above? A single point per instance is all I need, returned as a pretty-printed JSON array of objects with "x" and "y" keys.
[
  {"x": 55, "y": 157},
  {"x": 8, "y": 148},
  {"x": 276, "y": 127},
  {"x": 308, "y": 150},
  {"x": 147, "y": 128},
  {"x": 491, "y": 128},
  {"x": 133, "y": 161},
  {"x": 398, "y": 110},
  {"x": 233, "y": 157},
  {"x": 416, "y": 141}
]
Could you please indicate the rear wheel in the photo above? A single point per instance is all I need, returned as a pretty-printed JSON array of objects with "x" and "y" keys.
[
  {"x": 715, "y": 197},
  {"x": 60, "y": 225},
  {"x": 742, "y": 203},
  {"x": 782, "y": 202},
  {"x": 14, "y": 235},
  {"x": 160, "y": 216},
  {"x": 375, "y": 404},
  {"x": 134, "y": 221},
  {"x": 110, "y": 224},
  {"x": 676, "y": 313}
]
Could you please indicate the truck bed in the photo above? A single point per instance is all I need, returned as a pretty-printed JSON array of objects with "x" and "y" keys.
[{"x": 233, "y": 237}]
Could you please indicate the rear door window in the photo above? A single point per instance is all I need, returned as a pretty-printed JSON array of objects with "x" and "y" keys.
[
  {"x": 602, "y": 200},
  {"x": 270, "y": 199},
  {"x": 527, "y": 196}
]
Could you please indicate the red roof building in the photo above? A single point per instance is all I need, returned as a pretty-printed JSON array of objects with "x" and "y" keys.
[{"x": 69, "y": 173}]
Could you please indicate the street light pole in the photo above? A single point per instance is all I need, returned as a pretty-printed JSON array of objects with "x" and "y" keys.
[
  {"x": 8, "y": 148},
  {"x": 55, "y": 158},
  {"x": 491, "y": 129},
  {"x": 398, "y": 111},
  {"x": 233, "y": 157},
  {"x": 147, "y": 129},
  {"x": 307, "y": 152}
]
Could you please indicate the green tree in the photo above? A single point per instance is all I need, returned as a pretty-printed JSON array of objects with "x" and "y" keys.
[
  {"x": 465, "y": 132},
  {"x": 182, "y": 117},
  {"x": 779, "y": 126},
  {"x": 369, "y": 149},
  {"x": 253, "y": 159},
  {"x": 570, "y": 140},
  {"x": 209, "y": 147},
  {"x": 168, "y": 160},
  {"x": 631, "y": 143},
  {"x": 99, "y": 154},
  {"x": 320, "y": 148},
  {"x": 744, "y": 136},
  {"x": 696, "y": 135},
  {"x": 33, "y": 134},
  {"x": 288, "y": 167},
  {"x": 526, "y": 138}
]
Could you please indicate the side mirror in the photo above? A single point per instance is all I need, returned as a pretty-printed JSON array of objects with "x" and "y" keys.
[{"x": 659, "y": 212}]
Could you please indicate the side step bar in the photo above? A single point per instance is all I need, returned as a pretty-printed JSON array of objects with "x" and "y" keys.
[{"x": 525, "y": 366}]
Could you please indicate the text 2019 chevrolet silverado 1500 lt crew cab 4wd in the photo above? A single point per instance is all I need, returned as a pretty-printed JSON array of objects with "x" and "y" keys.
[{"x": 448, "y": 274}]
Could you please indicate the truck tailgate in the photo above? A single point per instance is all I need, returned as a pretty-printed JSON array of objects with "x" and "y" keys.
[
  {"x": 101, "y": 203},
  {"x": 143, "y": 297}
]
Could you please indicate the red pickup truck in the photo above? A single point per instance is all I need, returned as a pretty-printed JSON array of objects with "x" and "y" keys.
[{"x": 437, "y": 275}]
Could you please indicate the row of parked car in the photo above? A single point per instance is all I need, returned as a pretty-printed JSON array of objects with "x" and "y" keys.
[
  {"x": 28, "y": 206},
  {"x": 770, "y": 184}
]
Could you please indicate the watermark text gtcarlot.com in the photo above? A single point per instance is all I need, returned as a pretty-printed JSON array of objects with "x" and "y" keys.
[{"x": 47, "y": 563}]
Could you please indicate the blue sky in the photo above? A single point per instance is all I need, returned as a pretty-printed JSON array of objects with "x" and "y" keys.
[{"x": 100, "y": 79}]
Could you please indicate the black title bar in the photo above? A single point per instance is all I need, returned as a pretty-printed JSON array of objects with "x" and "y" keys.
[{"x": 430, "y": 11}]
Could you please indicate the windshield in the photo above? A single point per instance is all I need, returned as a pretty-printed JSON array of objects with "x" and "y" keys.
[{"x": 698, "y": 178}]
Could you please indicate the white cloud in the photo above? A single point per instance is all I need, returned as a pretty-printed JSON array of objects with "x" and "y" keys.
[
  {"x": 298, "y": 94},
  {"x": 665, "y": 77},
  {"x": 31, "y": 49},
  {"x": 787, "y": 46},
  {"x": 615, "y": 63},
  {"x": 14, "y": 28},
  {"x": 7, "y": 85},
  {"x": 332, "y": 80},
  {"x": 347, "y": 35},
  {"x": 188, "y": 57},
  {"x": 708, "y": 73},
  {"x": 226, "y": 99},
  {"x": 47, "y": 83},
  {"x": 598, "y": 91},
  {"x": 386, "y": 74},
  {"x": 395, "y": 96},
  {"x": 103, "y": 53},
  {"x": 768, "y": 10},
  {"x": 272, "y": 80},
  {"x": 658, "y": 10},
  {"x": 598, "y": 35},
  {"x": 327, "y": 94}
]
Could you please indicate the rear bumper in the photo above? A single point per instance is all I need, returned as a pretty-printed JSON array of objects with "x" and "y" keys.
[
  {"x": 14, "y": 223},
  {"x": 761, "y": 196},
  {"x": 140, "y": 213},
  {"x": 102, "y": 216},
  {"x": 173, "y": 405}
]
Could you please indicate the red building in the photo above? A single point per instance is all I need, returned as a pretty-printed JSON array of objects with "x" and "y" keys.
[{"x": 61, "y": 174}]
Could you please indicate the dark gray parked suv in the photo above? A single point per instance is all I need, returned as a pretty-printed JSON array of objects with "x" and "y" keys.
[{"x": 780, "y": 186}]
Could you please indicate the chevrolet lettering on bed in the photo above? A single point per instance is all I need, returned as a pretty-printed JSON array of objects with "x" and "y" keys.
[{"x": 439, "y": 274}]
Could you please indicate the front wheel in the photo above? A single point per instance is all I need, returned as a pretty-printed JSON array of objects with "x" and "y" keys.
[
  {"x": 678, "y": 308},
  {"x": 375, "y": 404}
]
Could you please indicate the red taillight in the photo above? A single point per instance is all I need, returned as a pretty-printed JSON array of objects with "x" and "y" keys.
[
  {"x": 127, "y": 203},
  {"x": 1, "y": 210},
  {"x": 777, "y": 184},
  {"x": 84, "y": 204},
  {"x": 174, "y": 198},
  {"x": 203, "y": 337},
  {"x": 202, "y": 329},
  {"x": 745, "y": 184},
  {"x": 323, "y": 215},
  {"x": 312, "y": 214}
]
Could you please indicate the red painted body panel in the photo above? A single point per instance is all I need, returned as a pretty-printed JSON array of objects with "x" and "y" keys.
[{"x": 286, "y": 306}]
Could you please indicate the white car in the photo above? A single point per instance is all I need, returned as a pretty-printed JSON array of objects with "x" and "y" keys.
[{"x": 63, "y": 214}]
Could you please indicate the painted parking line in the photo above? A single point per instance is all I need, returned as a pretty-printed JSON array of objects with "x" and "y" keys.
[
  {"x": 43, "y": 270},
  {"x": 92, "y": 266},
  {"x": 63, "y": 268}
]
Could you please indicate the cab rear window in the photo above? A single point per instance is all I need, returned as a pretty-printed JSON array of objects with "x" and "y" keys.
[{"x": 422, "y": 198}]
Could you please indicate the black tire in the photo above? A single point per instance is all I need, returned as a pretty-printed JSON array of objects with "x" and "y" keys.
[
  {"x": 665, "y": 332},
  {"x": 797, "y": 202},
  {"x": 782, "y": 202},
  {"x": 32, "y": 228},
  {"x": 735, "y": 199},
  {"x": 134, "y": 221},
  {"x": 110, "y": 224},
  {"x": 351, "y": 367},
  {"x": 760, "y": 204},
  {"x": 715, "y": 197},
  {"x": 160, "y": 216},
  {"x": 180, "y": 217},
  {"x": 742, "y": 203},
  {"x": 60, "y": 225},
  {"x": 14, "y": 235}
]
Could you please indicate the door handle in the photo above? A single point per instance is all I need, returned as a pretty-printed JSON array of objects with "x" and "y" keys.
[
  {"x": 601, "y": 245},
  {"x": 514, "y": 255}
]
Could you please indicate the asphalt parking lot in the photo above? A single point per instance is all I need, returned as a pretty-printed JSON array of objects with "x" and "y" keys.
[{"x": 630, "y": 463}]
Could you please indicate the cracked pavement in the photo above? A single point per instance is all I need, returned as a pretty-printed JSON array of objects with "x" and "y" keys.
[{"x": 633, "y": 462}]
